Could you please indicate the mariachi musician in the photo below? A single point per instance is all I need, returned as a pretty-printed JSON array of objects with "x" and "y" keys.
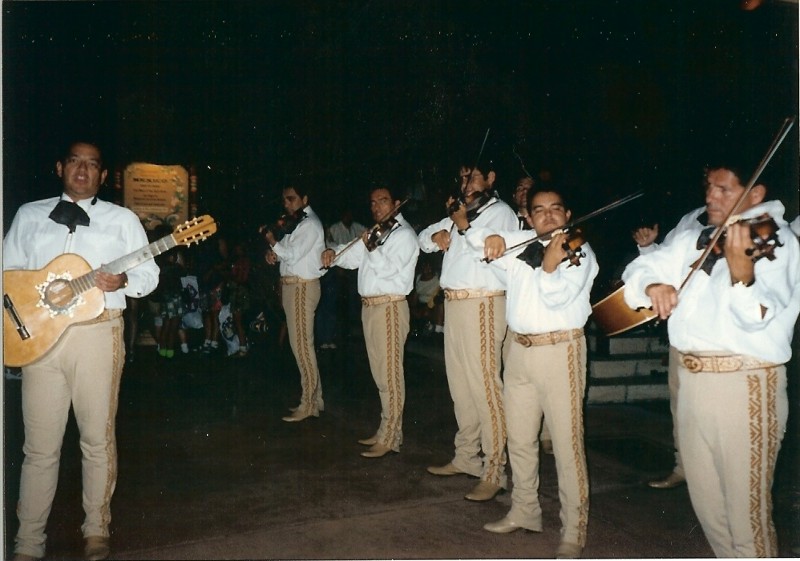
[
  {"x": 298, "y": 252},
  {"x": 474, "y": 330},
  {"x": 386, "y": 257},
  {"x": 731, "y": 321},
  {"x": 84, "y": 368},
  {"x": 545, "y": 368}
]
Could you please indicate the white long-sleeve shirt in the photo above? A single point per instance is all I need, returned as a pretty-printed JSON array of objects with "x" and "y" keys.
[
  {"x": 462, "y": 268},
  {"x": 341, "y": 234},
  {"x": 712, "y": 315},
  {"x": 299, "y": 252},
  {"x": 389, "y": 268},
  {"x": 537, "y": 301},
  {"x": 113, "y": 232}
]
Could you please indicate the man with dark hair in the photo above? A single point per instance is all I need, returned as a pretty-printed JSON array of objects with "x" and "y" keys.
[
  {"x": 298, "y": 252},
  {"x": 732, "y": 323},
  {"x": 84, "y": 368},
  {"x": 474, "y": 331},
  {"x": 386, "y": 258},
  {"x": 545, "y": 371}
]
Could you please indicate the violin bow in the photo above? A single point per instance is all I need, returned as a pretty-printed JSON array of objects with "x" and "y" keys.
[
  {"x": 389, "y": 215},
  {"x": 573, "y": 223},
  {"x": 777, "y": 141},
  {"x": 474, "y": 167}
]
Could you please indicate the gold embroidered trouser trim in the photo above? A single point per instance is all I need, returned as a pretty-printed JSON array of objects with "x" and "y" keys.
[
  {"x": 82, "y": 372},
  {"x": 386, "y": 328},
  {"x": 300, "y": 300},
  {"x": 731, "y": 429},
  {"x": 473, "y": 338},
  {"x": 548, "y": 380}
]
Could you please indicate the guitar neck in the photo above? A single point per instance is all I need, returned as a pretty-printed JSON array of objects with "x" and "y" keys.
[{"x": 126, "y": 263}]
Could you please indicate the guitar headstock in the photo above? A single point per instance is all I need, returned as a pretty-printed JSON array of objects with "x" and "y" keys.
[{"x": 195, "y": 230}]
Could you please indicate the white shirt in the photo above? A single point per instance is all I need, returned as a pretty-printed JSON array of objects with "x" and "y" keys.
[
  {"x": 540, "y": 302},
  {"x": 712, "y": 315},
  {"x": 689, "y": 221},
  {"x": 795, "y": 226},
  {"x": 113, "y": 232},
  {"x": 340, "y": 234},
  {"x": 462, "y": 267},
  {"x": 426, "y": 289},
  {"x": 389, "y": 268},
  {"x": 299, "y": 252}
]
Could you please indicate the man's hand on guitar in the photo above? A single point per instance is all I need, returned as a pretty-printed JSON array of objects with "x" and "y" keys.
[{"x": 110, "y": 283}]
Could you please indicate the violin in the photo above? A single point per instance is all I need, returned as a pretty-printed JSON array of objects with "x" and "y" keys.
[
  {"x": 763, "y": 234},
  {"x": 378, "y": 234},
  {"x": 474, "y": 203},
  {"x": 534, "y": 253},
  {"x": 284, "y": 225},
  {"x": 572, "y": 246}
]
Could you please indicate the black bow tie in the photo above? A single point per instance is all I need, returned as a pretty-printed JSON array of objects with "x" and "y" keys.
[
  {"x": 533, "y": 255},
  {"x": 713, "y": 256},
  {"x": 70, "y": 215}
]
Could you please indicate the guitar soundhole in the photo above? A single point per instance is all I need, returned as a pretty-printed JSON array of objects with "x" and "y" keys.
[{"x": 58, "y": 295}]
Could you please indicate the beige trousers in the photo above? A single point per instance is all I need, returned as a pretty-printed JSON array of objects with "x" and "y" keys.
[
  {"x": 673, "y": 382},
  {"x": 551, "y": 380},
  {"x": 544, "y": 434},
  {"x": 300, "y": 301},
  {"x": 83, "y": 370},
  {"x": 474, "y": 330},
  {"x": 386, "y": 327},
  {"x": 731, "y": 427}
]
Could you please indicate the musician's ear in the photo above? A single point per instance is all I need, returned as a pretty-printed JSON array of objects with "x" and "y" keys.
[
  {"x": 757, "y": 194},
  {"x": 59, "y": 169},
  {"x": 490, "y": 178},
  {"x": 568, "y": 214}
]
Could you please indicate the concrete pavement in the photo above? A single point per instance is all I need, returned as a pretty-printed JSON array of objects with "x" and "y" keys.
[{"x": 208, "y": 470}]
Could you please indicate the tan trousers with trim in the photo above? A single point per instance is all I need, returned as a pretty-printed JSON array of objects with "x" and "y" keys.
[
  {"x": 474, "y": 330},
  {"x": 300, "y": 301},
  {"x": 386, "y": 328},
  {"x": 673, "y": 382},
  {"x": 731, "y": 428},
  {"x": 83, "y": 370},
  {"x": 549, "y": 380}
]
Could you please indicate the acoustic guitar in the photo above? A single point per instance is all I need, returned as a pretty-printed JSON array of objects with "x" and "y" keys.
[{"x": 39, "y": 306}]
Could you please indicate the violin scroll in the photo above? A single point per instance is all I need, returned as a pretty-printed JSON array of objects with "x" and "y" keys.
[
  {"x": 764, "y": 234},
  {"x": 573, "y": 246}
]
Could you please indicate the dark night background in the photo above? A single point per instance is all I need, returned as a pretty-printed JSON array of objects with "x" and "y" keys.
[{"x": 611, "y": 96}]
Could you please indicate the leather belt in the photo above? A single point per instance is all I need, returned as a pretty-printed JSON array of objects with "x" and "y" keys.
[
  {"x": 464, "y": 293},
  {"x": 383, "y": 299},
  {"x": 550, "y": 338},
  {"x": 721, "y": 363},
  {"x": 295, "y": 280},
  {"x": 107, "y": 315}
]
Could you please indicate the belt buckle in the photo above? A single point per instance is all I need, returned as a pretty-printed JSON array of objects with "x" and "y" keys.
[
  {"x": 692, "y": 363},
  {"x": 524, "y": 341}
]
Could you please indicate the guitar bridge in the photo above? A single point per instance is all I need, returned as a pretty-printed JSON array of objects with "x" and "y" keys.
[{"x": 12, "y": 312}]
